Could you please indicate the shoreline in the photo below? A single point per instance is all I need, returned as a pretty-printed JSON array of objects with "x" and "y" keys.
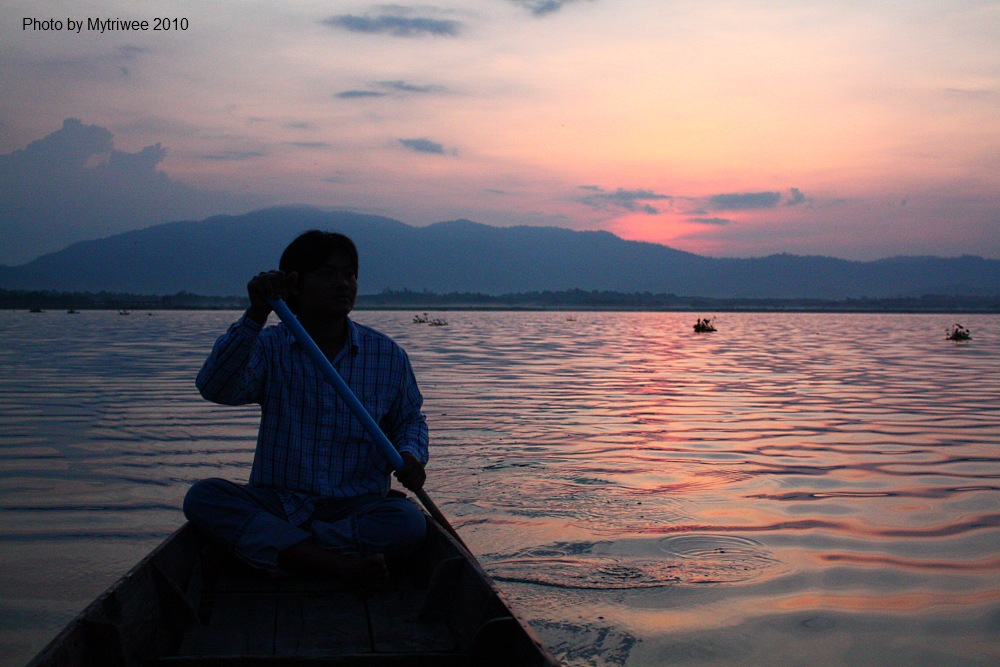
[{"x": 573, "y": 301}]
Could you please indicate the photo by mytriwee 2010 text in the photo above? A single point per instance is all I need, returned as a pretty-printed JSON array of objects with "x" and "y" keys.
[{"x": 155, "y": 24}]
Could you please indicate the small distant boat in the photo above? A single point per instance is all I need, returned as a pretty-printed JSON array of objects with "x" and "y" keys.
[
  {"x": 189, "y": 604},
  {"x": 958, "y": 332},
  {"x": 35, "y": 310},
  {"x": 704, "y": 325},
  {"x": 434, "y": 322},
  {"x": 72, "y": 311},
  {"x": 124, "y": 312}
]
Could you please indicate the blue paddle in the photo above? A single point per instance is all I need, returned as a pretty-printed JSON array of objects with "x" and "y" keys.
[{"x": 359, "y": 411}]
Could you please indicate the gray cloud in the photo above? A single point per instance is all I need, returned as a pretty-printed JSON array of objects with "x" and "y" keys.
[
  {"x": 972, "y": 93},
  {"x": 423, "y": 146},
  {"x": 711, "y": 221},
  {"x": 744, "y": 201},
  {"x": 404, "y": 87},
  {"x": 395, "y": 25},
  {"x": 131, "y": 51},
  {"x": 542, "y": 7},
  {"x": 384, "y": 88},
  {"x": 233, "y": 155},
  {"x": 355, "y": 94},
  {"x": 629, "y": 200},
  {"x": 111, "y": 64},
  {"x": 73, "y": 185},
  {"x": 309, "y": 144}
]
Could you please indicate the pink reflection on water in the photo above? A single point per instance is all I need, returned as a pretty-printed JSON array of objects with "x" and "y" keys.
[
  {"x": 885, "y": 603},
  {"x": 624, "y": 476},
  {"x": 981, "y": 565}
]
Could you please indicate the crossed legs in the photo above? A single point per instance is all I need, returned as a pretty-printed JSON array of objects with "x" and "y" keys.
[{"x": 343, "y": 539}]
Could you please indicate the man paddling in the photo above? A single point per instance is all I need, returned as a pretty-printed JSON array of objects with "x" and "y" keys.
[{"x": 318, "y": 498}]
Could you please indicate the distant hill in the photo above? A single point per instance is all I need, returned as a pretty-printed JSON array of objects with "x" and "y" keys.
[{"x": 217, "y": 256}]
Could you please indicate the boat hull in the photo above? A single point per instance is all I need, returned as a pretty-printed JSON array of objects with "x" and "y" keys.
[{"x": 188, "y": 603}]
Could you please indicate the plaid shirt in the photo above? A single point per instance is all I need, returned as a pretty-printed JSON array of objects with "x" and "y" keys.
[{"x": 309, "y": 445}]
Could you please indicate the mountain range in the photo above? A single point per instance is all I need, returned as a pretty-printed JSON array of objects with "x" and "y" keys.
[{"x": 217, "y": 255}]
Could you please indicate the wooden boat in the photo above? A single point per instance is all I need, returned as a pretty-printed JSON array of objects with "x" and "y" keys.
[
  {"x": 704, "y": 325},
  {"x": 958, "y": 332},
  {"x": 187, "y": 604}
]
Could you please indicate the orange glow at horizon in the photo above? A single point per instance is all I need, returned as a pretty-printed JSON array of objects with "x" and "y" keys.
[{"x": 883, "y": 116}]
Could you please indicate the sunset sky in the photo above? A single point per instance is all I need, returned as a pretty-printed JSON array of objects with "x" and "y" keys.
[{"x": 727, "y": 128}]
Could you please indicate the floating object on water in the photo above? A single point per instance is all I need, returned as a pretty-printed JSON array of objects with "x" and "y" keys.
[
  {"x": 424, "y": 319},
  {"x": 35, "y": 310},
  {"x": 124, "y": 312},
  {"x": 958, "y": 332},
  {"x": 704, "y": 325},
  {"x": 191, "y": 603}
]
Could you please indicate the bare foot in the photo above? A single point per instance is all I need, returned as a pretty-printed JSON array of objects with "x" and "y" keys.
[{"x": 309, "y": 558}]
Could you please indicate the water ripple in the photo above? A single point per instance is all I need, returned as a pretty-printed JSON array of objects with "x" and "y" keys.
[{"x": 601, "y": 464}]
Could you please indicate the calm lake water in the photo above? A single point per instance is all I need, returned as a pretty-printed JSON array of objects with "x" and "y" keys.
[{"x": 794, "y": 489}]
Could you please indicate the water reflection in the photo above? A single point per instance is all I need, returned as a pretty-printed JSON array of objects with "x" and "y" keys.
[{"x": 644, "y": 494}]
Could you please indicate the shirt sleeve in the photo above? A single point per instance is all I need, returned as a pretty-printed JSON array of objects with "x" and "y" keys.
[
  {"x": 231, "y": 375},
  {"x": 407, "y": 425}
]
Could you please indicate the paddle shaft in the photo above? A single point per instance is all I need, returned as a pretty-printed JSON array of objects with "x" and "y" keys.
[{"x": 359, "y": 411}]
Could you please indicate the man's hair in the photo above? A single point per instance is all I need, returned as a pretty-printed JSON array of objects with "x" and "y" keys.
[{"x": 312, "y": 249}]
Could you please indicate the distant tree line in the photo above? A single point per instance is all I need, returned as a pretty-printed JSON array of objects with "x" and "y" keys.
[
  {"x": 48, "y": 299},
  {"x": 605, "y": 300},
  {"x": 573, "y": 299}
]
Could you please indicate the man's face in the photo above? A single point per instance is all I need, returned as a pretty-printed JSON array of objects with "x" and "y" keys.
[{"x": 330, "y": 290}]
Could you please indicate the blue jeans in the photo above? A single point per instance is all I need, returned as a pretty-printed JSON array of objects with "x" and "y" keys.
[{"x": 251, "y": 521}]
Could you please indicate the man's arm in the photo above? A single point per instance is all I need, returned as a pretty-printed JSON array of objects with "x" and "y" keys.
[
  {"x": 409, "y": 433},
  {"x": 229, "y": 375},
  {"x": 226, "y": 375}
]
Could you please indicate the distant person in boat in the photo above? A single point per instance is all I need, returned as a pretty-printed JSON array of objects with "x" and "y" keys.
[{"x": 318, "y": 498}]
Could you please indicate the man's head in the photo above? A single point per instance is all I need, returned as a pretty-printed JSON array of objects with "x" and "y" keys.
[
  {"x": 318, "y": 257},
  {"x": 312, "y": 249}
]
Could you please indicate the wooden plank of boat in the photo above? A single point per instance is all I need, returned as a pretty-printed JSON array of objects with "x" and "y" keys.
[{"x": 189, "y": 604}]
